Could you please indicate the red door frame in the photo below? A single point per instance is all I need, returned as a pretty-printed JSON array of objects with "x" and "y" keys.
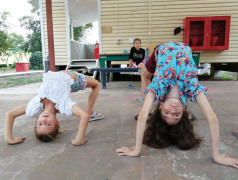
[{"x": 50, "y": 35}]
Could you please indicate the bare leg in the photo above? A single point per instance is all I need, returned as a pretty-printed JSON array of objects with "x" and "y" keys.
[
  {"x": 145, "y": 80},
  {"x": 141, "y": 66},
  {"x": 94, "y": 84}
]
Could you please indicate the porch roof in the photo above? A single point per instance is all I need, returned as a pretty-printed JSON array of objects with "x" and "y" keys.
[{"x": 80, "y": 11}]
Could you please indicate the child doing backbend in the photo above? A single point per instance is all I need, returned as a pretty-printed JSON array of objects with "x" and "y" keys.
[
  {"x": 175, "y": 79},
  {"x": 54, "y": 96}
]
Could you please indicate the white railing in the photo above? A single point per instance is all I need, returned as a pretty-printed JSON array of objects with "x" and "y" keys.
[{"x": 81, "y": 51}]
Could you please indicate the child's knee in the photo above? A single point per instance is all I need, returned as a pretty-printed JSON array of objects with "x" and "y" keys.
[
  {"x": 97, "y": 84},
  {"x": 145, "y": 75}
]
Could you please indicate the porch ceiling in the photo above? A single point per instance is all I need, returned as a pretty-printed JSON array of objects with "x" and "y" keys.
[{"x": 81, "y": 12}]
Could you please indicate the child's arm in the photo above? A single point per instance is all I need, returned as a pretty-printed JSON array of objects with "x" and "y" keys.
[
  {"x": 8, "y": 124},
  {"x": 130, "y": 63},
  {"x": 131, "y": 57},
  {"x": 214, "y": 131},
  {"x": 140, "y": 128},
  {"x": 84, "y": 118},
  {"x": 95, "y": 86}
]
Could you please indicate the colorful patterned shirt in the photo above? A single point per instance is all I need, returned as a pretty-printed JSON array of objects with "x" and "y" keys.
[{"x": 175, "y": 66}]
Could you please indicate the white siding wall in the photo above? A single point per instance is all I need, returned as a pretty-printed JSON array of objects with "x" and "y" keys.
[
  {"x": 128, "y": 19},
  {"x": 136, "y": 18},
  {"x": 59, "y": 30}
]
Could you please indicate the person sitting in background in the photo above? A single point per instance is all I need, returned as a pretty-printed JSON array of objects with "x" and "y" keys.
[{"x": 137, "y": 55}]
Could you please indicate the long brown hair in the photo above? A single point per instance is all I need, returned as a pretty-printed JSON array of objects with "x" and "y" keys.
[{"x": 159, "y": 134}]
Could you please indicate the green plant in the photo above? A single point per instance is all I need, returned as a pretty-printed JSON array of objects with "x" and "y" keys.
[
  {"x": 4, "y": 45},
  {"x": 36, "y": 61},
  {"x": 226, "y": 76},
  {"x": 15, "y": 40},
  {"x": 32, "y": 23},
  {"x": 12, "y": 66},
  {"x": 79, "y": 31}
]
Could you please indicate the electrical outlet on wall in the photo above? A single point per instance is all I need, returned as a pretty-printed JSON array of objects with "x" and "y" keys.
[{"x": 118, "y": 40}]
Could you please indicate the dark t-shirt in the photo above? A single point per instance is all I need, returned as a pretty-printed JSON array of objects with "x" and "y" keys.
[{"x": 137, "y": 56}]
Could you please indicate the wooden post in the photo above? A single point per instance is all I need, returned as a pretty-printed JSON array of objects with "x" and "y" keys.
[{"x": 50, "y": 35}]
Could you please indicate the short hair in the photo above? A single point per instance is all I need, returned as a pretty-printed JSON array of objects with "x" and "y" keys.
[
  {"x": 136, "y": 39},
  {"x": 47, "y": 137}
]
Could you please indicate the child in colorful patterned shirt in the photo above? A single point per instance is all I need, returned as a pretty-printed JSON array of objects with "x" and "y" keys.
[{"x": 175, "y": 79}]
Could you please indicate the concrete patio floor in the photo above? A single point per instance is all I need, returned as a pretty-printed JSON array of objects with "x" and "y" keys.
[{"x": 97, "y": 159}]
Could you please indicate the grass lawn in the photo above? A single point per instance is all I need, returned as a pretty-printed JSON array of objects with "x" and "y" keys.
[
  {"x": 11, "y": 82},
  {"x": 18, "y": 80}
]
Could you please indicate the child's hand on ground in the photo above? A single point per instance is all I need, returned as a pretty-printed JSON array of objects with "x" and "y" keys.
[
  {"x": 76, "y": 143},
  {"x": 16, "y": 140},
  {"x": 125, "y": 151},
  {"x": 226, "y": 160}
]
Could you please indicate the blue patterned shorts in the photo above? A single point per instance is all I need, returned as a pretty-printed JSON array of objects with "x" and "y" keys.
[{"x": 80, "y": 83}]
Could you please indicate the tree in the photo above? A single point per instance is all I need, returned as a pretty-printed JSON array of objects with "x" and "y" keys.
[
  {"x": 4, "y": 45},
  {"x": 15, "y": 40},
  {"x": 79, "y": 32},
  {"x": 3, "y": 18},
  {"x": 3, "y": 42},
  {"x": 32, "y": 23},
  {"x": 36, "y": 61}
]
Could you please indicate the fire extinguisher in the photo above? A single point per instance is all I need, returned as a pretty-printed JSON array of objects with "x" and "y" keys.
[{"x": 96, "y": 51}]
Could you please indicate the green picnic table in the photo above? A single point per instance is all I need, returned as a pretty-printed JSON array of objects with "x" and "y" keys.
[{"x": 106, "y": 59}]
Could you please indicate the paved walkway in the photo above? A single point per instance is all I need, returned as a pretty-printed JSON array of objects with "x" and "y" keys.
[{"x": 97, "y": 159}]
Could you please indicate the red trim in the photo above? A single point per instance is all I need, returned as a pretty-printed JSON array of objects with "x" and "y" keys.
[{"x": 50, "y": 35}]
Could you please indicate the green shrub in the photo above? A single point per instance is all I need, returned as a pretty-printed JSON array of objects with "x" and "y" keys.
[
  {"x": 228, "y": 77},
  {"x": 12, "y": 66},
  {"x": 36, "y": 61}
]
